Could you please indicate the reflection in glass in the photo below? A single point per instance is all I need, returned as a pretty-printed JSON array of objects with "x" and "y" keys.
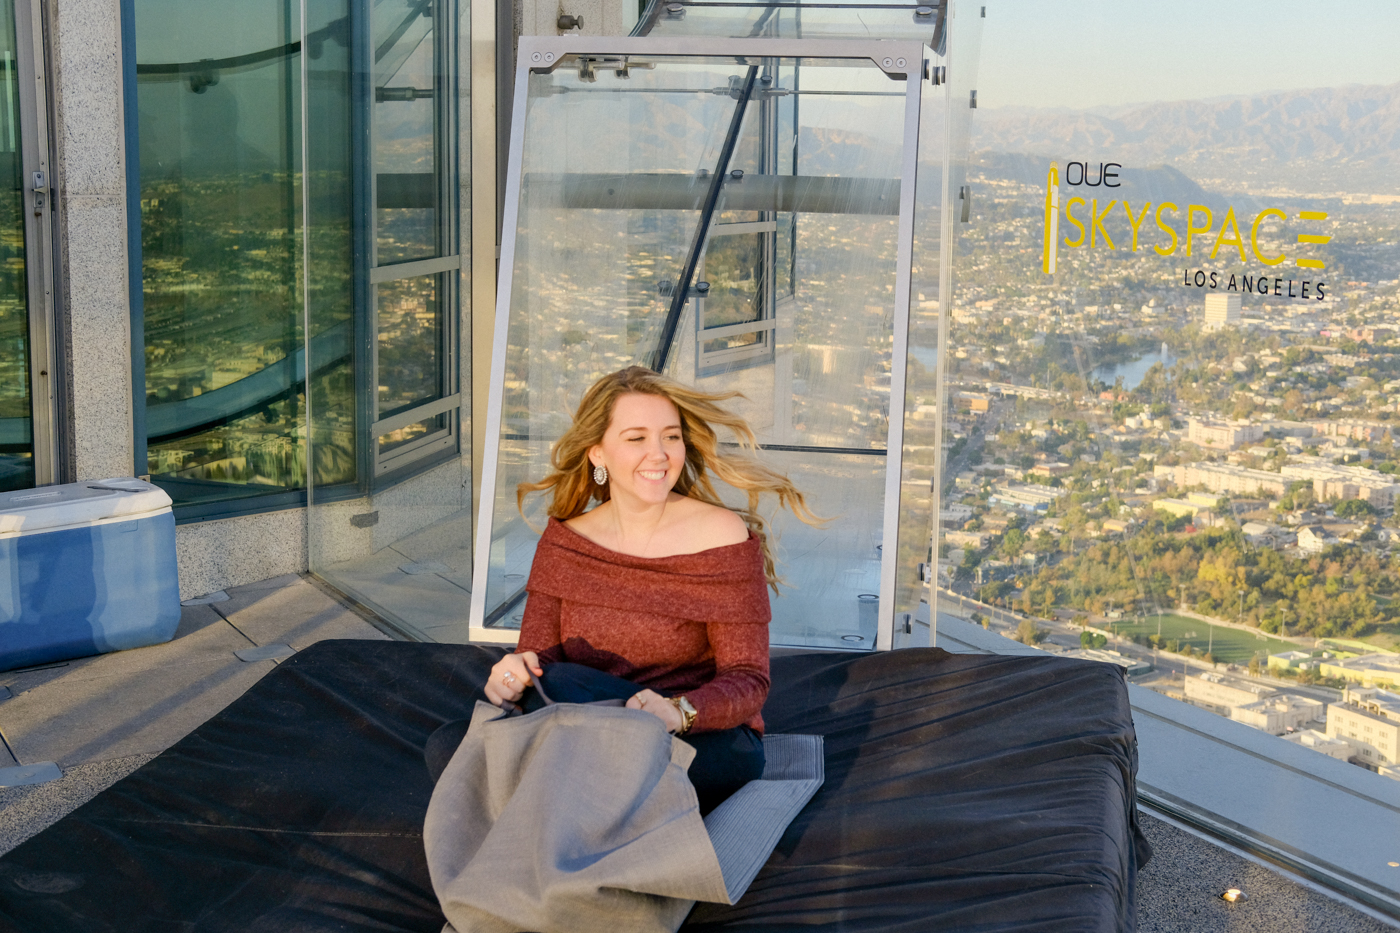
[
  {"x": 734, "y": 269},
  {"x": 410, "y": 334},
  {"x": 16, "y": 422},
  {"x": 332, "y": 289},
  {"x": 405, "y": 122},
  {"x": 221, "y": 246},
  {"x": 407, "y": 435}
]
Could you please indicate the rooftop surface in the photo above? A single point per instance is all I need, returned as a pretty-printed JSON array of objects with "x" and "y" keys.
[{"x": 66, "y": 713}]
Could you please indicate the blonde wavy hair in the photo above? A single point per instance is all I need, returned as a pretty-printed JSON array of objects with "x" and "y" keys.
[{"x": 571, "y": 485}]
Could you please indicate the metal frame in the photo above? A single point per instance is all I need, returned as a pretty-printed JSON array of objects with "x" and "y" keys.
[
  {"x": 897, "y": 58},
  {"x": 717, "y": 362},
  {"x": 449, "y": 259},
  {"x": 31, "y": 88}
]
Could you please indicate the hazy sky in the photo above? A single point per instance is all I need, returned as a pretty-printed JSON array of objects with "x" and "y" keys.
[{"x": 1087, "y": 53}]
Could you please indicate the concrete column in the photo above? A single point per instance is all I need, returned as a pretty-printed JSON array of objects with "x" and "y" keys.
[{"x": 86, "y": 82}]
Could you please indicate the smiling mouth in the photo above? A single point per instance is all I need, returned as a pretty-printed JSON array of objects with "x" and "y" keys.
[{"x": 652, "y": 474}]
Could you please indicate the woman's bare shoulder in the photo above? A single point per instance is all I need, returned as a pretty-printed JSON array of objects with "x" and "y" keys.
[
  {"x": 710, "y": 526},
  {"x": 586, "y": 521}
]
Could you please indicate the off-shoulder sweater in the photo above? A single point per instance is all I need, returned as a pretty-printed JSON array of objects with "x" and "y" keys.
[{"x": 692, "y": 624}]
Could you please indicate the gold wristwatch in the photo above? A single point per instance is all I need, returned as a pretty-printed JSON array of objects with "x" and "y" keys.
[{"x": 687, "y": 711}]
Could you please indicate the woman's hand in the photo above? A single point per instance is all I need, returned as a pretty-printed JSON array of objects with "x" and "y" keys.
[
  {"x": 649, "y": 701},
  {"x": 511, "y": 675}
]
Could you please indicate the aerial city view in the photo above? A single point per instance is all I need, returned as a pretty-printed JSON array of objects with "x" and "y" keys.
[{"x": 1174, "y": 429}]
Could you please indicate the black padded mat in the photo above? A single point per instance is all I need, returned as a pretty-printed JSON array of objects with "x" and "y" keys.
[{"x": 963, "y": 792}]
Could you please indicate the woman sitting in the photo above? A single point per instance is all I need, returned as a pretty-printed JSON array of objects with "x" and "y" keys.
[{"x": 657, "y": 596}]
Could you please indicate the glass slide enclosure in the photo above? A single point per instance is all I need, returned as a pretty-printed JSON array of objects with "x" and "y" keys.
[{"x": 762, "y": 214}]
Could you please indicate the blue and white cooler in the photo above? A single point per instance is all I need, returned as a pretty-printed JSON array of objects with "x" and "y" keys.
[{"x": 85, "y": 568}]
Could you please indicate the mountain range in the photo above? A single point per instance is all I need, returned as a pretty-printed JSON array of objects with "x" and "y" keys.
[{"x": 1320, "y": 140}]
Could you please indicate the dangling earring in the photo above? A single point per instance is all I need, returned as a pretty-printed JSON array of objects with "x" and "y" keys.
[{"x": 600, "y": 475}]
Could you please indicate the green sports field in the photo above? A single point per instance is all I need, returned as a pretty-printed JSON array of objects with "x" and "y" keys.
[{"x": 1231, "y": 645}]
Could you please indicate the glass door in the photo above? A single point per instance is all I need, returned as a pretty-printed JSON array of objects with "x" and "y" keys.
[
  {"x": 27, "y": 447},
  {"x": 389, "y": 490}
]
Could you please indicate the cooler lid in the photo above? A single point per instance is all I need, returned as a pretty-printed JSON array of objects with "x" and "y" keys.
[{"x": 46, "y": 508}]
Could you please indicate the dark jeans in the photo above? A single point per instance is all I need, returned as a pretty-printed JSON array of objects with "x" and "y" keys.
[{"x": 724, "y": 761}]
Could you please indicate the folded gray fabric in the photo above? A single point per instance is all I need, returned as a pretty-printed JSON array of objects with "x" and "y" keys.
[
  {"x": 745, "y": 828},
  {"x": 579, "y": 818}
]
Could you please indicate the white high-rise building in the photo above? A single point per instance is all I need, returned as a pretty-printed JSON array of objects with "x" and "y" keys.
[{"x": 1222, "y": 311}]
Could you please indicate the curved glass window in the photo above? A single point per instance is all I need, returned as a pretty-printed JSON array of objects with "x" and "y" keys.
[{"x": 219, "y": 97}]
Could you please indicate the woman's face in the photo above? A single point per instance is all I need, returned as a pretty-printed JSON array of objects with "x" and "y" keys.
[{"x": 642, "y": 448}]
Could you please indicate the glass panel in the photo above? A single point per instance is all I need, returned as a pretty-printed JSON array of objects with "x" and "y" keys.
[
  {"x": 406, "y": 80},
  {"x": 796, "y": 21},
  {"x": 616, "y": 163},
  {"x": 403, "y": 437},
  {"x": 409, "y": 325},
  {"x": 1173, "y": 403},
  {"x": 389, "y": 520},
  {"x": 333, "y": 291},
  {"x": 16, "y": 415},
  {"x": 733, "y": 268},
  {"x": 219, "y": 92}
]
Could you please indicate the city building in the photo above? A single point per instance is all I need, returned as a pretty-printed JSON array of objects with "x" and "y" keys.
[
  {"x": 1179, "y": 507},
  {"x": 1228, "y": 478},
  {"x": 1370, "y": 670},
  {"x": 1223, "y": 435},
  {"x": 1351, "y": 429},
  {"x": 1267, "y": 534},
  {"x": 967, "y": 539},
  {"x": 1292, "y": 660},
  {"x": 1371, "y": 334},
  {"x": 1320, "y": 742},
  {"x": 1024, "y": 498},
  {"x": 1222, "y": 311},
  {"x": 1314, "y": 539},
  {"x": 976, "y": 402},
  {"x": 1338, "y": 481},
  {"x": 1367, "y": 719},
  {"x": 1279, "y": 713},
  {"x": 1221, "y": 693},
  {"x": 955, "y": 513}
]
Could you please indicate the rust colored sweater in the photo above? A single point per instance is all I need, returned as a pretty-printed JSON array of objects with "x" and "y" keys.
[{"x": 693, "y": 624}]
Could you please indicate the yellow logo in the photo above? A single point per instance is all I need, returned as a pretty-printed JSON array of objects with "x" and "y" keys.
[
  {"x": 1052, "y": 219},
  {"x": 1200, "y": 228}
]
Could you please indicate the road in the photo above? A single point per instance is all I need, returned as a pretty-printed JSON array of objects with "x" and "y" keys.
[{"x": 1169, "y": 670}]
